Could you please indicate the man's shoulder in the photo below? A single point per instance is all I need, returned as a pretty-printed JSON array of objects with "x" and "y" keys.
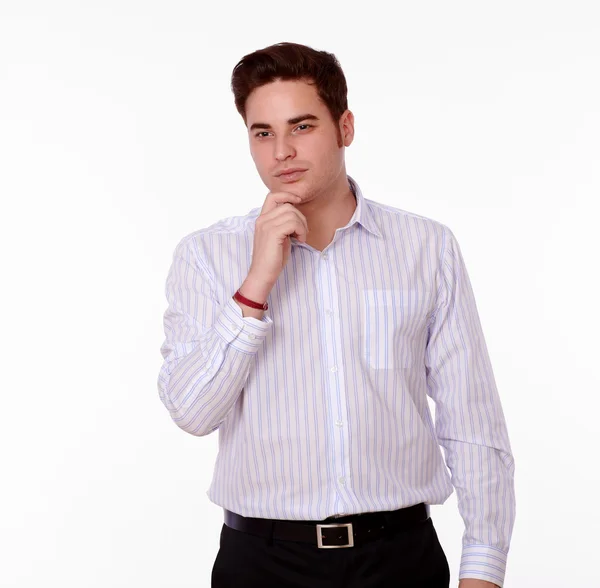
[
  {"x": 381, "y": 210},
  {"x": 228, "y": 227}
]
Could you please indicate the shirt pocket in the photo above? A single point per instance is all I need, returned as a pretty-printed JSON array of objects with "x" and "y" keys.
[{"x": 391, "y": 319}]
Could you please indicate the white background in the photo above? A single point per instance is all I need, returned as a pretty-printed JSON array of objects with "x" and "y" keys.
[{"x": 118, "y": 136}]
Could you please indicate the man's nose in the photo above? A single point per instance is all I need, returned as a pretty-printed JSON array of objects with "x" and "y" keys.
[{"x": 283, "y": 148}]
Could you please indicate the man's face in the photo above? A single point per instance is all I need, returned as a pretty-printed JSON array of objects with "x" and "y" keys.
[{"x": 314, "y": 144}]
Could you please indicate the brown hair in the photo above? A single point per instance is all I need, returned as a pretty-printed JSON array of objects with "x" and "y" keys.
[{"x": 292, "y": 61}]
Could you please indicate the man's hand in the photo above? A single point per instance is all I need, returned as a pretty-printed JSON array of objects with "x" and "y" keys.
[{"x": 475, "y": 583}]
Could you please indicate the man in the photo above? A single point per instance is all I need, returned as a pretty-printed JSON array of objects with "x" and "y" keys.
[{"x": 310, "y": 333}]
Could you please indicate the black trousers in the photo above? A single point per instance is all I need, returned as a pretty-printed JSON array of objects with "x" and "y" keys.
[{"x": 408, "y": 558}]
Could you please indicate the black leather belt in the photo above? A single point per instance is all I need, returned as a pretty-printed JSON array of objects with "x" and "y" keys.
[{"x": 331, "y": 533}]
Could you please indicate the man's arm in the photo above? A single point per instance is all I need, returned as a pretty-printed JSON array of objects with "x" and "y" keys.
[
  {"x": 470, "y": 423},
  {"x": 473, "y": 583},
  {"x": 208, "y": 348}
]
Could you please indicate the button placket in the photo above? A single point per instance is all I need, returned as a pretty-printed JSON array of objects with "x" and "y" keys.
[{"x": 327, "y": 279}]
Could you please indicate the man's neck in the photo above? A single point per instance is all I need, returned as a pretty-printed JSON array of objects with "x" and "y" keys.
[{"x": 327, "y": 214}]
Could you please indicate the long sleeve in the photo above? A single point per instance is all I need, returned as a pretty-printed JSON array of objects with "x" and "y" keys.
[
  {"x": 470, "y": 423},
  {"x": 209, "y": 345}
]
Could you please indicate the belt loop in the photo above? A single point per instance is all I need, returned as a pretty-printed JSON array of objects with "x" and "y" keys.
[{"x": 270, "y": 537}]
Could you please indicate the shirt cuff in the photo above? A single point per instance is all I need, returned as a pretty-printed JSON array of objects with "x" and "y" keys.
[
  {"x": 484, "y": 563},
  {"x": 244, "y": 333}
]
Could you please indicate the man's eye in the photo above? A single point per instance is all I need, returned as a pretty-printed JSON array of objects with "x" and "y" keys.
[{"x": 261, "y": 134}]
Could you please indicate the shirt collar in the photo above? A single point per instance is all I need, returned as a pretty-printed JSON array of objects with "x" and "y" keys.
[{"x": 363, "y": 213}]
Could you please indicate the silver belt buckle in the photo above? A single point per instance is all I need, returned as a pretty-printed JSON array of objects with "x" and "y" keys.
[{"x": 320, "y": 537}]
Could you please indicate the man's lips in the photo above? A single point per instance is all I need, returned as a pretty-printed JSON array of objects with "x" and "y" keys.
[
  {"x": 289, "y": 170},
  {"x": 291, "y": 177}
]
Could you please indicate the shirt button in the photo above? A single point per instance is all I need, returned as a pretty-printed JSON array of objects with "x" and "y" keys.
[
  {"x": 233, "y": 326},
  {"x": 334, "y": 368},
  {"x": 324, "y": 255},
  {"x": 339, "y": 423},
  {"x": 252, "y": 336},
  {"x": 329, "y": 312},
  {"x": 342, "y": 480}
]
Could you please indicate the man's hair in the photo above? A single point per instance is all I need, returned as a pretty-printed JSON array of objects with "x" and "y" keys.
[{"x": 291, "y": 61}]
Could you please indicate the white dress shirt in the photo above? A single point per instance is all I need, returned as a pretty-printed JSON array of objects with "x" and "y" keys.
[{"x": 321, "y": 406}]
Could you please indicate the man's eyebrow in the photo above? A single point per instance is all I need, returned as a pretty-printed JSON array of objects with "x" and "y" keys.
[{"x": 291, "y": 121}]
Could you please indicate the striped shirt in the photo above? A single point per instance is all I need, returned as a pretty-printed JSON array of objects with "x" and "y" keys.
[{"x": 321, "y": 405}]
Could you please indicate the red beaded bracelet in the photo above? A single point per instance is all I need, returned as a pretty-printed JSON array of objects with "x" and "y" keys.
[{"x": 237, "y": 296}]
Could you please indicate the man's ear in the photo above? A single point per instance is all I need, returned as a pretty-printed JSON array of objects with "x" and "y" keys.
[{"x": 346, "y": 127}]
